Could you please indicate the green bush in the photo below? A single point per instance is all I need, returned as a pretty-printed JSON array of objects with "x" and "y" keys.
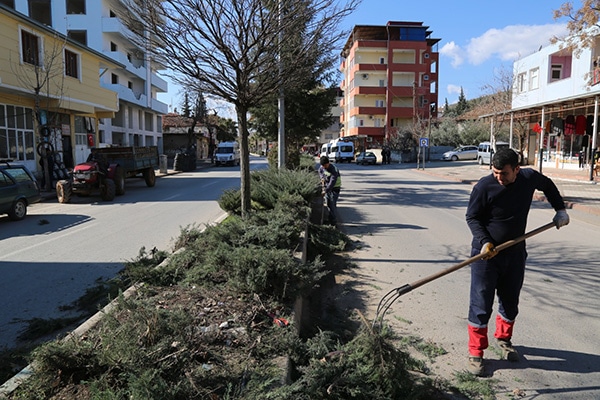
[{"x": 269, "y": 185}]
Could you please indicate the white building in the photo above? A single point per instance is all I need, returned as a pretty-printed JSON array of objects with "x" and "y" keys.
[
  {"x": 555, "y": 90},
  {"x": 95, "y": 24}
]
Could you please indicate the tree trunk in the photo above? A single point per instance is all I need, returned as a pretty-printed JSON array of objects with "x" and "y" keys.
[{"x": 245, "y": 160}]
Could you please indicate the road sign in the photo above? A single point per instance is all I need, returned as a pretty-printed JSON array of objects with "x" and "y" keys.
[{"x": 424, "y": 142}]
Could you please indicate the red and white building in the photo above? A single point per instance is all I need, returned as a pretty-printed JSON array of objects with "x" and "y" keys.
[{"x": 390, "y": 80}]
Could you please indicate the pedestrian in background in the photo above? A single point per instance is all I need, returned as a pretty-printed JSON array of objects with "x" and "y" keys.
[
  {"x": 332, "y": 184},
  {"x": 497, "y": 212}
]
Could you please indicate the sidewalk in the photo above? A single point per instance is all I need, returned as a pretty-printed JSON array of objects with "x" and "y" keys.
[{"x": 575, "y": 186}]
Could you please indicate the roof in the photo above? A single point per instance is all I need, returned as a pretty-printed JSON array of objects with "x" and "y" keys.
[
  {"x": 176, "y": 120},
  {"x": 384, "y": 32}
]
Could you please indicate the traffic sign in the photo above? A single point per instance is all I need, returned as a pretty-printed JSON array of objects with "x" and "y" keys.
[{"x": 424, "y": 142}]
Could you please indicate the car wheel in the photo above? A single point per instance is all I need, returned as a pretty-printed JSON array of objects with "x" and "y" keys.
[
  {"x": 454, "y": 158},
  {"x": 480, "y": 161},
  {"x": 18, "y": 210}
]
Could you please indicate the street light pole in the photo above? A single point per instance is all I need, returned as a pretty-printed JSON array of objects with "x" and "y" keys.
[{"x": 281, "y": 100}]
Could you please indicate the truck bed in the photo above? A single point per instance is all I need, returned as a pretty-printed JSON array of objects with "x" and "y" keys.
[{"x": 131, "y": 159}]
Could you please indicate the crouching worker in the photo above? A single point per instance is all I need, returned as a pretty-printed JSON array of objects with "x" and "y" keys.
[{"x": 332, "y": 183}]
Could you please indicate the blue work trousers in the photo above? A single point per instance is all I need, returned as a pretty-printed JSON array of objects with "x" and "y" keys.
[
  {"x": 332, "y": 198},
  {"x": 502, "y": 275}
]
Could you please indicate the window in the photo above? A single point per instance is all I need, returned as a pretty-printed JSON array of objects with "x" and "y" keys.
[
  {"x": 378, "y": 103},
  {"x": 534, "y": 79},
  {"x": 381, "y": 60},
  {"x": 30, "y": 48},
  {"x": 114, "y": 79},
  {"x": 78, "y": 36},
  {"x": 8, "y": 3},
  {"x": 39, "y": 10},
  {"x": 381, "y": 83},
  {"x": 556, "y": 72},
  {"x": 75, "y": 6},
  {"x": 521, "y": 83},
  {"x": 71, "y": 64},
  {"x": 16, "y": 133},
  {"x": 113, "y": 46}
]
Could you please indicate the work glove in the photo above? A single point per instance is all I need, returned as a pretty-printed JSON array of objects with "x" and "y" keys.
[
  {"x": 561, "y": 218},
  {"x": 489, "y": 250}
]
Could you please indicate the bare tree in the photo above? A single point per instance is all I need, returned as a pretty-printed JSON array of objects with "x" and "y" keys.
[
  {"x": 498, "y": 103},
  {"x": 43, "y": 75},
  {"x": 580, "y": 28},
  {"x": 230, "y": 48}
]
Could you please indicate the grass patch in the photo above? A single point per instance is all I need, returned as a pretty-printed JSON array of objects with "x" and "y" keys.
[{"x": 475, "y": 388}]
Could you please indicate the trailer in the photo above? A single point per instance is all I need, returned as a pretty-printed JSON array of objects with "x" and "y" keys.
[{"x": 106, "y": 170}]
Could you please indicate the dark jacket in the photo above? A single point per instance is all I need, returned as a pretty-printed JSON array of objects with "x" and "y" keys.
[
  {"x": 498, "y": 213},
  {"x": 331, "y": 178}
]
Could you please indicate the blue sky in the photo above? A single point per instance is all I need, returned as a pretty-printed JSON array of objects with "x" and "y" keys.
[{"x": 478, "y": 38}]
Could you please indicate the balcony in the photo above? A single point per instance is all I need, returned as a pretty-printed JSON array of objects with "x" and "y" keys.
[
  {"x": 126, "y": 94},
  {"x": 363, "y": 90},
  {"x": 368, "y": 111},
  {"x": 160, "y": 107},
  {"x": 115, "y": 26},
  {"x": 137, "y": 71},
  {"x": 159, "y": 83},
  {"x": 400, "y": 112}
]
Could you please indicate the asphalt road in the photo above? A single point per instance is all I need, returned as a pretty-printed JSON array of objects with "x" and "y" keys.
[
  {"x": 48, "y": 260},
  {"x": 410, "y": 225}
]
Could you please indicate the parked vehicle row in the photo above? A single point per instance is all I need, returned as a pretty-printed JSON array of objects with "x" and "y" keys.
[
  {"x": 338, "y": 150},
  {"x": 481, "y": 153}
]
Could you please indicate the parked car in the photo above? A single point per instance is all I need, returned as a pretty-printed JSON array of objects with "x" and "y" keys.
[
  {"x": 18, "y": 189},
  {"x": 366, "y": 157},
  {"x": 461, "y": 153},
  {"x": 485, "y": 150}
]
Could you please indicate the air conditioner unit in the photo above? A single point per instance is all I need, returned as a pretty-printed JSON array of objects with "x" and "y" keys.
[
  {"x": 425, "y": 55},
  {"x": 425, "y": 77},
  {"x": 365, "y": 76},
  {"x": 370, "y": 117},
  {"x": 369, "y": 139}
]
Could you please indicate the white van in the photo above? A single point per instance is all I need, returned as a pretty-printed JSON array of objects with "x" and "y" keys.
[
  {"x": 227, "y": 153},
  {"x": 484, "y": 150},
  {"x": 325, "y": 150},
  {"x": 341, "y": 150}
]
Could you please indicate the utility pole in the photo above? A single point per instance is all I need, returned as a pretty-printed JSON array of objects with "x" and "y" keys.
[{"x": 281, "y": 100}]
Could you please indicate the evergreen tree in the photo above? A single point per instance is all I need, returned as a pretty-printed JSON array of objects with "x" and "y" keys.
[
  {"x": 463, "y": 105},
  {"x": 186, "y": 106}
]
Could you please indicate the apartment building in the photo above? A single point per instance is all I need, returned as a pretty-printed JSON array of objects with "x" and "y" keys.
[
  {"x": 50, "y": 92},
  {"x": 390, "y": 81},
  {"x": 556, "y": 93},
  {"x": 94, "y": 23}
]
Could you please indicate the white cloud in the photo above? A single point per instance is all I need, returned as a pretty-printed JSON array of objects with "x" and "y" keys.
[
  {"x": 511, "y": 42},
  {"x": 453, "y": 89},
  {"x": 453, "y": 51}
]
